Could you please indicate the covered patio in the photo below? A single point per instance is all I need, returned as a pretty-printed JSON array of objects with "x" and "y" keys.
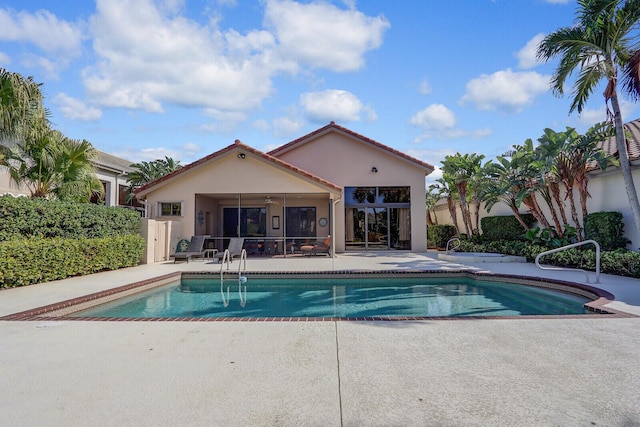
[{"x": 270, "y": 223}]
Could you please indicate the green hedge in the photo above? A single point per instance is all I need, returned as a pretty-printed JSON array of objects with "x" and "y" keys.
[
  {"x": 504, "y": 227},
  {"x": 22, "y": 217},
  {"x": 35, "y": 260},
  {"x": 619, "y": 262},
  {"x": 607, "y": 229},
  {"x": 439, "y": 234}
]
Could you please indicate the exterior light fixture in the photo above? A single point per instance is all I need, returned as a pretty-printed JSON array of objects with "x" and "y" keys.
[
  {"x": 374, "y": 169},
  {"x": 241, "y": 156}
]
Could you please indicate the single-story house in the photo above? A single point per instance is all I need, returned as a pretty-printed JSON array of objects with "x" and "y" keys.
[{"x": 330, "y": 182}]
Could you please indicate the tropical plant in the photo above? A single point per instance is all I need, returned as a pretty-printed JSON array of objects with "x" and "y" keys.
[
  {"x": 51, "y": 165},
  {"x": 602, "y": 41},
  {"x": 21, "y": 104},
  {"x": 460, "y": 170},
  {"x": 433, "y": 195},
  {"x": 446, "y": 188},
  {"x": 504, "y": 185},
  {"x": 145, "y": 172}
]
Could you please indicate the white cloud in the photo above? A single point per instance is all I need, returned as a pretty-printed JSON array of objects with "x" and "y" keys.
[
  {"x": 4, "y": 60},
  {"x": 434, "y": 117},
  {"x": 261, "y": 125},
  {"x": 332, "y": 104},
  {"x": 149, "y": 154},
  {"x": 527, "y": 55},
  {"x": 148, "y": 58},
  {"x": 321, "y": 35},
  {"x": 59, "y": 40},
  {"x": 425, "y": 87},
  {"x": 439, "y": 122},
  {"x": 505, "y": 90},
  {"x": 226, "y": 121},
  {"x": 191, "y": 148},
  {"x": 482, "y": 133},
  {"x": 75, "y": 109},
  {"x": 286, "y": 127},
  {"x": 590, "y": 117}
]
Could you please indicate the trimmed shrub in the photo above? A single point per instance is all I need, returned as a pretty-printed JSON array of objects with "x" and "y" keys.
[
  {"x": 35, "y": 260},
  {"x": 22, "y": 217},
  {"x": 44, "y": 240},
  {"x": 504, "y": 227},
  {"x": 441, "y": 233},
  {"x": 607, "y": 229}
]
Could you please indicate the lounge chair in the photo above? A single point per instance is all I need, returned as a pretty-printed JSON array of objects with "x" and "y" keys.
[
  {"x": 316, "y": 248},
  {"x": 235, "y": 249},
  {"x": 195, "y": 249}
]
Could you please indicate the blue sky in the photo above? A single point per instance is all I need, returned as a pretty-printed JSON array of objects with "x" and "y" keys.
[{"x": 148, "y": 78}]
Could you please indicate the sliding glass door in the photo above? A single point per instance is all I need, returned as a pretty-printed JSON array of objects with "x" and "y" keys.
[{"x": 384, "y": 224}]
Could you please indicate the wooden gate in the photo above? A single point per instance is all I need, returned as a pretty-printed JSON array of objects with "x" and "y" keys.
[{"x": 161, "y": 247}]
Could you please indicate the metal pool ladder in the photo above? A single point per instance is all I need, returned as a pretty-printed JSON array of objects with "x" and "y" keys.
[
  {"x": 573, "y": 245},
  {"x": 455, "y": 239},
  {"x": 241, "y": 279}
]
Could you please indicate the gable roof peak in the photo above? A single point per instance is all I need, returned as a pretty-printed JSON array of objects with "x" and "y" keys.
[{"x": 333, "y": 127}]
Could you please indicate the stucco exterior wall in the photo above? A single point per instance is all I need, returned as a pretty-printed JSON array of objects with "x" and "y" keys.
[
  {"x": 230, "y": 175},
  {"x": 7, "y": 186},
  {"x": 348, "y": 162}
]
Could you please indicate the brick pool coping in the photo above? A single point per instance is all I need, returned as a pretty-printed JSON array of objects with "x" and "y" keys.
[{"x": 62, "y": 310}]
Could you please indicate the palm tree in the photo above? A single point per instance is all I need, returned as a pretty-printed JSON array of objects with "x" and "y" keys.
[
  {"x": 447, "y": 189},
  {"x": 551, "y": 144},
  {"x": 504, "y": 185},
  {"x": 462, "y": 168},
  {"x": 601, "y": 42},
  {"x": 146, "y": 172},
  {"x": 589, "y": 153},
  {"x": 432, "y": 197},
  {"x": 20, "y": 104},
  {"x": 52, "y": 165}
]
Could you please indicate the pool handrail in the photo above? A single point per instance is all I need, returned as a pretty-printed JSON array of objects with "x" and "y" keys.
[
  {"x": 455, "y": 239},
  {"x": 242, "y": 279},
  {"x": 573, "y": 245}
]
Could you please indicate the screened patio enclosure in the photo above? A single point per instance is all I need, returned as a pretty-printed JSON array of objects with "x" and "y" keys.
[{"x": 270, "y": 223}]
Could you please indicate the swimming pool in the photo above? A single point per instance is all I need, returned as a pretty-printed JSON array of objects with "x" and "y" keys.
[{"x": 379, "y": 296}]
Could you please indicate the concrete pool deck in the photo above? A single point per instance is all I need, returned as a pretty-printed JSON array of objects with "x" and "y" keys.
[{"x": 446, "y": 373}]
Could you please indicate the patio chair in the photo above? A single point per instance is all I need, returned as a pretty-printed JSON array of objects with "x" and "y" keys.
[
  {"x": 235, "y": 249},
  {"x": 195, "y": 249},
  {"x": 316, "y": 248}
]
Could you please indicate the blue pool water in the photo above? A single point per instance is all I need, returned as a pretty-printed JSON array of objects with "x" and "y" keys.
[{"x": 339, "y": 297}]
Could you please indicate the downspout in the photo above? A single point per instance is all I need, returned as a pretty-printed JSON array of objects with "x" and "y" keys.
[{"x": 333, "y": 226}]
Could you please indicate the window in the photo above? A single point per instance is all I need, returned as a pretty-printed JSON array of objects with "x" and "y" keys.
[
  {"x": 358, "y": 196},
  {"x": 171, "y": 209}
]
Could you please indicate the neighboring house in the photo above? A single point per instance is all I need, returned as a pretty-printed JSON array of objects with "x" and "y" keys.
[
  {"x": 333, "y": 181},
  {"x": 112, "y": 171},
  {"x": 606, "y": 188}
]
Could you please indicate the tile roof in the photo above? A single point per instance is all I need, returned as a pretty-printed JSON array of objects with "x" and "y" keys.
[
  {"x": 633, "y": 144},
  {"x": 334, "y": 127},
  {"x": 109, "y": 161},
  {"x": 240, "y": 145}
]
